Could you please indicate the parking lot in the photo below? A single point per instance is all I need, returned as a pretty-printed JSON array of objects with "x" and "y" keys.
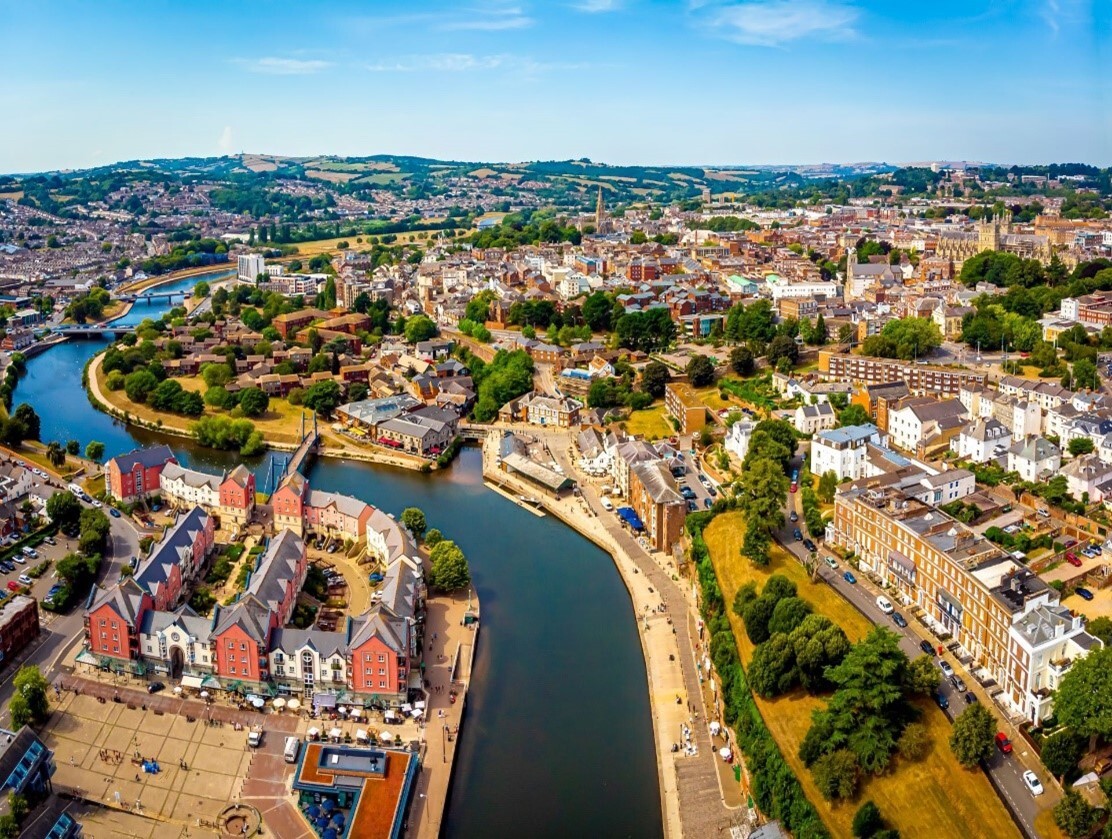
[{"x": 20, "y": 564}]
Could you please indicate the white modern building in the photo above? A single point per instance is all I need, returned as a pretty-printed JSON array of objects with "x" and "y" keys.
[
  {"x": 738, "y": 436},
  {"x": 1035, "y": 459},
  {"x": 249, "y": 266},
  {"x": 187, "y": 488}
]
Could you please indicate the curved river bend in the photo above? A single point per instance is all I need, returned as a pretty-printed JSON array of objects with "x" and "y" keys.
[{"x": 558, "y": 739}]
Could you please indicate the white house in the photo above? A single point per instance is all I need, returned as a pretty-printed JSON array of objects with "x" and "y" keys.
[
  {"x": 385, "y": 538},
  {"x": 1084, "y": 474},
  {"x": 1022, "y": 416},
  {"x": 982, "y": 440},
  {"x": 811, "y": 418},
  {"x": 188, "y": 488},
  {"x": 1035, "y": 459},
  {"x": 842, "y": 450},
  {"x": 921, "y": 422},
  {"x": 944, "y": 487},
  {"x": 738, "y": 436}
]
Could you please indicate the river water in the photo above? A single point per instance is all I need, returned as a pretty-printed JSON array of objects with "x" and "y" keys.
[{"x": 558, "y": 739}]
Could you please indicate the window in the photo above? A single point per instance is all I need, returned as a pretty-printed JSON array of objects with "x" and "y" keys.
[
  {"x": 232, "y": 669},
  {"x": 243, "y": 645},
  {"x": 381, "y": 657},
  {"x": 231, "y": 645},
  {"x": 382, "y": 683}
]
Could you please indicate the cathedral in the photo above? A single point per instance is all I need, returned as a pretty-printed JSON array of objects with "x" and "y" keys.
[{"x": 993, "y": 234}]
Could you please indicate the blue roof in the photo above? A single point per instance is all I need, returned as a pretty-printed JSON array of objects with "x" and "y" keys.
[
  {"x": 631, "y": 518},
  {"x": 849, "y": 433}
]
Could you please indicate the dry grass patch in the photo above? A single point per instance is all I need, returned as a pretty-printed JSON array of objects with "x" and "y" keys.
[
  {"x": 932, "y": 798},
  {"x": 651, "y": 423},
  {"x": 331, "y": 177}
]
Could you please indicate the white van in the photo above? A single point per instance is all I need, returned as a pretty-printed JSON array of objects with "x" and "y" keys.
[
  {"x": 76, "y": 490},
  {"x": 884, "y": 604},
  {"x": 290, "y": 752},
  {"x": 606, "y": 505}
]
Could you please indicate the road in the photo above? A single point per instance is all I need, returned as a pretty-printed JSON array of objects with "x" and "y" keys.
[
  {"x": 1004, "y": 771},
  {"x": 60, "y": 632}
]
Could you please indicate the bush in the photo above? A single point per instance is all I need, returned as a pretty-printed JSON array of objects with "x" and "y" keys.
[
  {"x": 836, "y": 774},
  {"x": 915, "y": 743},
  {"x": 867, "y": 820}
]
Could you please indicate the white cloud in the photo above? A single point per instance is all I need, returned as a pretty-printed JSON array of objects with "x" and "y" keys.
[
  {"x": 772, "y": 23},
  {"x": 1050, "y": 14},
  {"x": 226, "y": 140},
  {"x": 594, "y": 6},
  {"x": 273, "y": 66},
  {"x": 459, "y": 62},
  {"x": 493, "y": 18}
]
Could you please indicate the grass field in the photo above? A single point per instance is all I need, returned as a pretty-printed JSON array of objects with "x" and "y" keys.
[
  {"x": 329, "y": 245},
  {"x": 651, "y": 423},
  {"x": 929, "y": 799}
]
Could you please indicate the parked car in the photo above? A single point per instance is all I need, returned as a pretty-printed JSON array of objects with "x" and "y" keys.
[
  {"x": 884, "y": 604},
  {"x": 155, "y": 687},
  {"x": 1032, "y": 782},
  {"x": 958, "y": 683},
  {"x": 794, "y": 517},
  {"x": 13, "y": 585},
  {"x": 926, "y": 646},
  {"x": 970, "y": 697},
  {"x": 947, "y": 670},
  {"x": 376, "y": 577},
  {"x": 1072, "y": 559},
  {"x": 7, "y": 567},
  {"x": 692, "y": 506},
  {"x": 1003, "y": 743},
  {"x": 23, "y": 578},
  {"x": 797, "y": 534},
  {"x": 113, "y": 512},
  {"x": 708, "y": 502},
  {"x": 849, "y": 578},
  {"x": 942, "y": 701},
  {"x": 50, "y": 540},
  {"x": 1084, "y": 593},
  {"x": 809, "y": 545},
  {"x": 832, "y": 562},
  {"x": 899, "y": 620}
]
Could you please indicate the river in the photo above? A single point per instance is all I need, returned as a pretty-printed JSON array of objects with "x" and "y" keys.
[{"x": 558, "y": 736}]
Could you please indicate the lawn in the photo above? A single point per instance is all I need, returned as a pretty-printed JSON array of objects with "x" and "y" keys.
[
  {"x": 757, "y": 392},
  {"x": 651, "y": 423},
  {"x": 932, "y": 798}
]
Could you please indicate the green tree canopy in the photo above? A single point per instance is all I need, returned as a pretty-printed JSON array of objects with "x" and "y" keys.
[
  {"x": 971, "y": 739},
  {"x": 450, "y": 571},
  {"x": 1084, "y": 699},
  {"x": 414, "y": 519}
]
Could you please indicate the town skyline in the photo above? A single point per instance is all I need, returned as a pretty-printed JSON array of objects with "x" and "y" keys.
[{"x": 728, "y": 83}]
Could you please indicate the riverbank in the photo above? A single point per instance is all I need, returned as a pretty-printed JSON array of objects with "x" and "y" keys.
[
  {"x": 695, "y": 800},
  {"x": 147, "y": 284}
]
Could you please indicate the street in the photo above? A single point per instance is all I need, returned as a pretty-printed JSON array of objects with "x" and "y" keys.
[{"x": 1005, "y": 771}]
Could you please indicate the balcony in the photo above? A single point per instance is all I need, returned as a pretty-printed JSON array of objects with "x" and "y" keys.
[{"x": 1059, "y": 666}]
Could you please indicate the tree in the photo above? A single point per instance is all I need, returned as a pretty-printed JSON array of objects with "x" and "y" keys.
[
  {"x": 73, "y": 447},
  {"x": 30, "y": 684},
  {"x": 598, "y": 311},
  {"x": 867, "y": 821},
  {"x": 323, "y": 396},
  {"x": 1101, "y": 628},
  {"x": 1061, "y": 753},
  {"x": 1085, "y": 375},
  {"x": 756, "y": 617},
  {"x": 654, "y": 378},
  {"x": 700, "y": 371},
  {"x": 828, "y": 485},
  {"x": 741, "y": 361},
  {"x": 763, "y": 489},
  {"x": 914, "y": 743},
  {"x": 94, "y": 530},
  {"x": 836, "y": 774},
  {"x": 419, "y": 328},
  {"x": 817, "y": 644},
  {"x": 819, "y": 334},
  {"x": 433, "y": 537},
  {"x": 357, "y": 392},
  {"x": 253, "y": 401},
  {"x": 414, "y": 519},
  {"x": 64, "y": 509},
  {"x": 922, "y": 676},
  {"x": 1084, "y": 699},
  {"x": 94, "y": 450},
  {"x": 1075, "y": 816},
  {"x": 29, "y": 419},
  {"x": 788, "y": 614},
  {"x": 55, "y": 453},
  {"x": 782, "y": 347},
  {"x": 450, "y": 571},
  {"x": 854, "y": 415},
  {"x": 201, "y": 290},
  {"x": 1080, "y": 445},
  {"x": 21, "y": 716},
  {"x": 971, "y": 740},
  {"x": 139, "y": 385},
  {"x": 772, "y": 671}
]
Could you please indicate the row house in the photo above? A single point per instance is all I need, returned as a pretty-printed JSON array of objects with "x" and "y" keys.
[
  {"x": 136, "y": 475},
  {"x": 655, "y": 497},
  {"x": 1000, "y": 615},
  {"x": 843, "y": 450},
  {"x": 230, "y": 496},
  {"x": 982, "y": 440},
  {"x": 177, "y": 559},
  {"x": 540, "y": 409},
  {"x": 332, "y": 514}
]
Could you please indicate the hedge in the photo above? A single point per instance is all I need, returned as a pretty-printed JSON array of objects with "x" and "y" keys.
[{"x": 776, "y": 789}]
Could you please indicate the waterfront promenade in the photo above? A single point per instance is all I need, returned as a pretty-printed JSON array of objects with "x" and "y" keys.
[{"x": 692, "y": 794}]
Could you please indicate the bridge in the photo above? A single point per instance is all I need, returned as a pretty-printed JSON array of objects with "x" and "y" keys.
[
  {"x": 309, "y": 439},
  {"x": 152, "y": 296},
  {"x": 78, "y": 330}
]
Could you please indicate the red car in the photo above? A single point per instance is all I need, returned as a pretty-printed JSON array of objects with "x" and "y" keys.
[
  {"x": 795, "y": 486},
  {"x": 1003, "y": 743},
  {"x": 1072, "y": 559},
  {"x": 13, "y": 585}
]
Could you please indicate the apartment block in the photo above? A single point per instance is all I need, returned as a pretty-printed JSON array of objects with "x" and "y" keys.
[
  {"x": 684, "y": 405},
  {"x": 920, "y": 378}
]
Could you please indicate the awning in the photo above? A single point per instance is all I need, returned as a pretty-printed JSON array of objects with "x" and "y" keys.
[
  {"x": 210, "y": 682},
  {"x": 324, "y": 700},
  {"x": 631, "y": 518},
  {"x": 195, "y": 682},
  {"x": 86, "y": 657}
]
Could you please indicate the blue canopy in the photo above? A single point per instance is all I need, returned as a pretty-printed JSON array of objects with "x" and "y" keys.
[
  {"x": 322, "y": 822},
  {"x": 329, "y": 833},
  {"x": 313, "y": 811},
  {"x": 327, "y": 804},
  {"x": 338, "y": 819},
  {"x": 631, "y": 518}
]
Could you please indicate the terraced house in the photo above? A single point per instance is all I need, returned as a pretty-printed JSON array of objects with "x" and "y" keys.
[{"x": 1007, "y": 620}]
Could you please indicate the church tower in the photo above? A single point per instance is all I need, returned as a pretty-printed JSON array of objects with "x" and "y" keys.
[{"x": 600, "y": 211}]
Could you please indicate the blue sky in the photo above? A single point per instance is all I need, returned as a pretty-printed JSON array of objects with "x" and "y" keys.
[{"x": 624, "y": 81}]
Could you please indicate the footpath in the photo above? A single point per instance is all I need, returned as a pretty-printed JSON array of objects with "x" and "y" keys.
[{"x": 695, "y": 802}]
